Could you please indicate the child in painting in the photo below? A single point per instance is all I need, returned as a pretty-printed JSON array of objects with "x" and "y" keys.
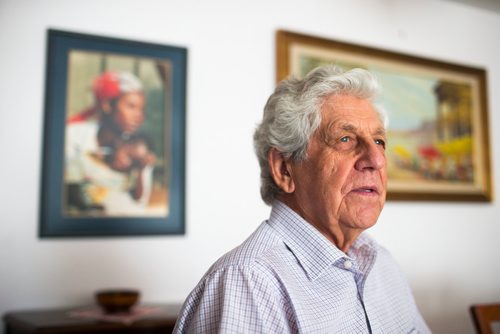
[{"x": 132, "y": 156}]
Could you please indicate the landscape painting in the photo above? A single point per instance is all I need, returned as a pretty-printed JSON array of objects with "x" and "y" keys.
[{"x": 438, "y": 146}]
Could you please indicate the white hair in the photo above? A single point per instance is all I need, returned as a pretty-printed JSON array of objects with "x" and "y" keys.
[{"x": 293, "y": 113}]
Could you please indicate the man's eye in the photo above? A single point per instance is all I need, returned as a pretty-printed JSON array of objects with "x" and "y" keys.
[
  {"x": 346, "y": 143},
  {"x": 380, "y": 142}
]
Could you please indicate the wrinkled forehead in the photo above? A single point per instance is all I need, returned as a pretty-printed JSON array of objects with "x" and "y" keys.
[{"x": 342, "y": 110}]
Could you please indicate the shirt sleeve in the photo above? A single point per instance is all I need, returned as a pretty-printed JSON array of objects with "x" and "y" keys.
[{"x": 236, "y": 300}]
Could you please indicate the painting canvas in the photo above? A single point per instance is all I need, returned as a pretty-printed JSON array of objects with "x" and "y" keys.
[
  {"x": 438, "y": 142},
  {"x": 114, "y": 137},
  {"x": 98, "y": 181}
]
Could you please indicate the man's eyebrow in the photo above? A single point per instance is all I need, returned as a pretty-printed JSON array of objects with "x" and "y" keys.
[
  {"x": 348, "y": 127},
  {"x": 381, "y": 132},
  {"x": 334, "y": 128},
  {"x": 336, "y": 125}
]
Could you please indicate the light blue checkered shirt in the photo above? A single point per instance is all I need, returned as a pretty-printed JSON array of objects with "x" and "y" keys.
[{"x": 288, "y": 278}]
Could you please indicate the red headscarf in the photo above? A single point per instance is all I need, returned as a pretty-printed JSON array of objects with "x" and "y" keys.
[{"x": 109, "y": 86}]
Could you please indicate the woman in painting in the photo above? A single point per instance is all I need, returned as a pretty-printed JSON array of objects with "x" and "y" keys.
[{"x": 108, "y": 164}]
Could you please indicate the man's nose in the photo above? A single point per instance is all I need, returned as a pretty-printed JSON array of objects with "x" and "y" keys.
[{"x": 372, "y": 156}]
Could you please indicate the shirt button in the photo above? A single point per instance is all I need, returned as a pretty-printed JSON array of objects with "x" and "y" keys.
[{"x": 347, "y": 264}]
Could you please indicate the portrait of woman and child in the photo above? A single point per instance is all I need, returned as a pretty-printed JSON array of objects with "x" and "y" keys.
[{"x": 111, "y": 156}]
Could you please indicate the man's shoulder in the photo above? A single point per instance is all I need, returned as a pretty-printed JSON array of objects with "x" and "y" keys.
[
  {"x": 245, "y": 281},
  {"x": 259, "y": 250}
]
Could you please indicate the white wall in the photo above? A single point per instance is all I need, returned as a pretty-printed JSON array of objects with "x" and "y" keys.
[{"x": 449, "y": 251}]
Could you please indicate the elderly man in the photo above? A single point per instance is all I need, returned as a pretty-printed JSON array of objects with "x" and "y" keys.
[{"x": 309, "y": 268}]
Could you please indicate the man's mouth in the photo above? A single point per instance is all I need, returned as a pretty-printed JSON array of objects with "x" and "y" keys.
[{"x": 368, "y": 190}]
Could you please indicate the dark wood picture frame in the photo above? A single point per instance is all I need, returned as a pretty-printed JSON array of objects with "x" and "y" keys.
[
  {"x": 455, "y": 165},
  {"x": 74, "y": 61}
]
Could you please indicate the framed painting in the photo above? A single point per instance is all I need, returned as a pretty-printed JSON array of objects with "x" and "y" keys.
[
  {"x": 438, "y": 139},
  {"x": 114, "y": 137}
]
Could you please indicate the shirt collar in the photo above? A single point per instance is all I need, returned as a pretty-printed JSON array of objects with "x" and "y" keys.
[
  {"x": 364, "y": 252},
  {"x": 312, "y": 249},
  {"x": 314, "y": 252}
]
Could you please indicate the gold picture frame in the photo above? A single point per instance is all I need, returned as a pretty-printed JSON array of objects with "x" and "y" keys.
[{"x": 438, "y": 137}]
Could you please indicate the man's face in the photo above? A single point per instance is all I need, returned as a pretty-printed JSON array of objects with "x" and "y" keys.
[
  {"x": 129, "y": 113},
  {"x": 342, "y": 183}
]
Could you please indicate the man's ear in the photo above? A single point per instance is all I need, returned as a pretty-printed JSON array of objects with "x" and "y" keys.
[{"x": 280, "y": 171}]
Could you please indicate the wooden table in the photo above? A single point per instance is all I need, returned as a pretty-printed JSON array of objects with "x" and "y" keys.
[{"x": 160, "y": 319}]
